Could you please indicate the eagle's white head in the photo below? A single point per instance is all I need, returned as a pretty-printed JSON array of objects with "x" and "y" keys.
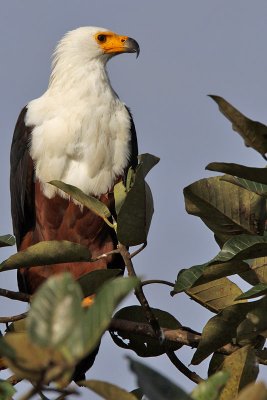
[{"x": 88, "y": 48}]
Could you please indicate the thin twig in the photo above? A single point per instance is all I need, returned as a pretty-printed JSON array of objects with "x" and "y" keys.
[
  {"x": 152, "y": 320},
  {"x": 160, "y": 281},
  {"x": 132, "y": 255},
  {"x": 15, "y": 295},
  {"x": 13, "y": 380},
  {"x": 105, "y": 255},
  {"x": 182, "y": 368},
  {"x": 13, "y": 318}
]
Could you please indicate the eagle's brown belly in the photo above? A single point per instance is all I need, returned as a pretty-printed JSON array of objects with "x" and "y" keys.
[{"x": 61, "y": 219}]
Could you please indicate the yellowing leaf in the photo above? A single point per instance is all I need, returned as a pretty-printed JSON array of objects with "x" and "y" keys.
[
  {"x": 243, "y": 368},
  {"x": 215, "y": 295},
  {"x": 254, "y": 133},
  {"x": 107, "y": 390}
]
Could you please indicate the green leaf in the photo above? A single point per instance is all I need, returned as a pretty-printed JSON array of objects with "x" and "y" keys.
[
  {"x": 254, "y": 324},
  {"x": 90, "y": 202},
  {"x": 120, "y": 194},
  {"x": 216, "y": 362},
  {"x": 148, "y": 161},
  {"x": 211, "y": 388},
  {"x": 243, "y": 368},
  {"x": 6, "y": 350},
  {"x": 135, "y": 214},
  {"x": 215, "y": 295},
  {"x": 255, "y": 187},
  {"x": 256, "y": 291},
  {"x": 7, "y": 240},
  {"x": 98, "y": 316},
  {"x": 251, "y": 173},
  {"x": 253, "y": 391},
  {"x": 55, "y": 311},
  {"x": 220, "y": 330},
  {"x": 242, "y": 247},
  {"x": 199, "y": 274},
  {"x": 107, "y": 390},
  {"x": 138, "y": 393},
  {"x": 47, "y": 253},
  {"x": 254, "y": 133},
  {"x": 154, "y": 385},
  {"x": 257, "y": 271},
  {"x": 6, "y": 390},
  {"x": 93, "y": 280},
  {"x": 143, "y": 346},
  {"x": 225, "y": 208}
]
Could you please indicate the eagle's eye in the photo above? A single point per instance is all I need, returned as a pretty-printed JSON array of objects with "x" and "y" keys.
[{"x": 102, "y": 38}]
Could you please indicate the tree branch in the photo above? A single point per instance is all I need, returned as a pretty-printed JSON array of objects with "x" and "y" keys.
[
  {"x": 15, "y": 295},
  {"x": 183, "y": 336},
  {"x": 193, "y": 376},
  {"x": 13, "y": 318}
]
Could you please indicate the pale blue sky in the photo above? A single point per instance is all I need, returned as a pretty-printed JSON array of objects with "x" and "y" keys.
[{"x": 189, "y": 48}]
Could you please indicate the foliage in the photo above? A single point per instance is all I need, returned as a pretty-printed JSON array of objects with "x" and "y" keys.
[{"x": 59, "y": 332}]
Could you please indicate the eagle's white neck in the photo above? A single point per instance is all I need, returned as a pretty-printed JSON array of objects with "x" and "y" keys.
[{"x": 81, "y": 129}]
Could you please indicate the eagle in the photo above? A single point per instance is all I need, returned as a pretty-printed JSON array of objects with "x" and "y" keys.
[{"x": 78, "y": 132}]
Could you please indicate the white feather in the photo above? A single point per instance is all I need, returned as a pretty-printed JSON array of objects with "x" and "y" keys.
[{"x": 81, "y": 132}]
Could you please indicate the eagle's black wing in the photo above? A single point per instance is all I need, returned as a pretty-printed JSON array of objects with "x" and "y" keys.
[
  {"x": 134, "y": 145},
  {"x": 21, "y": 180}
]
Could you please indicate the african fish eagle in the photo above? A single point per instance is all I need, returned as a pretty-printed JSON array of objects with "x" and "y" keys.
[{"x": 78, "y": 132}]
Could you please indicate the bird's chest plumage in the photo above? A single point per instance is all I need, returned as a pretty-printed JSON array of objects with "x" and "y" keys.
[{"x": 85, "y": 143}]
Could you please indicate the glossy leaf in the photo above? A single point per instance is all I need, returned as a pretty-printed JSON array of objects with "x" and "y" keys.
[
  {"x": 225, "y": 208},
  {"x": 220, "y": 330},
  {"x": 251, "y": 173},
  {"x": 98, "y": 316},
  {"x": 154, "y": 385},
  {"x": 255, "y": 322},
  {"x": 205, "y": 273},
  {"x": 90, "y": 202},
  {"x": 144, "y": 346},
  {"x": 257, "y": 271},
  {"x": 253, "y": 391},
  {"x": 255, "y": 187},
  {"x": 215, "y": 363},
  {"x": 242, "y": 247},
  {"x": 256, "y": 291},
  {"x": 215, "y": 295},
  {"x": 134, "y": 218},
  {"x": 210, "y": 388},
  {"x": 7, "y": 240},
  {"x": 254, "y": 133},
  {"x": 46, "y": 253},
  {"x": 92, "y": 281},
  {"x": 55, "y": 311},
  {"x": 243, "y": 368},
  {"x": 138, "y": 393},
  {"x": 120, "y": 194},
  {"x": 148, "y": 161},
  {"x": 6, "y": 390},
  {"x": 107, "y": 390}
]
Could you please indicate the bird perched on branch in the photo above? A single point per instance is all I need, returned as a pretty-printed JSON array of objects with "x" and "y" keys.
[{"x": 78, "y": 132}]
